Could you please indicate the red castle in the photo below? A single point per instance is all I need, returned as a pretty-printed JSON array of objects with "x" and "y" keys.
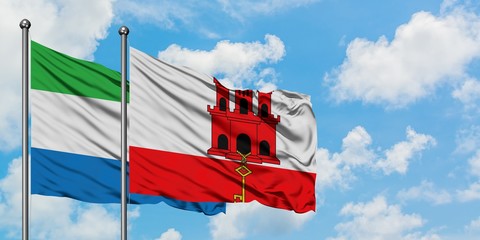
[{"x": 243, "y": 130}]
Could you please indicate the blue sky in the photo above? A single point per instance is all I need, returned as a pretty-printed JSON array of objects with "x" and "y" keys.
[{"x": 394, "y": 86}]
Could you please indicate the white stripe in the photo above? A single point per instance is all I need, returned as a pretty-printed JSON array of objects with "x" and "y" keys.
[
  {"x": 168, "y": 122},
  {"x": 168, "y": 111},
  {"x": 75, "y": 124}
]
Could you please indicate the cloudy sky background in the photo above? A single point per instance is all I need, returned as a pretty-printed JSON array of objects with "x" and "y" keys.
[{"x": 395, "y": 89}]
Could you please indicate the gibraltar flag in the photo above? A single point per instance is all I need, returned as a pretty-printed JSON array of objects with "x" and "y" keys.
[{"x": 195, "y": 140}]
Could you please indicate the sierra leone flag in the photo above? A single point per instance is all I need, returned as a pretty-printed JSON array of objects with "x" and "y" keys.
[{"x": 75, "y": 132}]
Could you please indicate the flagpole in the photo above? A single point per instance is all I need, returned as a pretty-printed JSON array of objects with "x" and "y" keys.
[
  {"x": 25, "y": 26},
  {"x": 123, "y": 31}
]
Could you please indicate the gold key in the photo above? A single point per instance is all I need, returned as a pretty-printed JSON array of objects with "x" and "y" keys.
[{"x": 244, "y": 172}]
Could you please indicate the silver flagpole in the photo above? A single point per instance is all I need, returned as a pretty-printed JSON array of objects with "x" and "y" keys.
[
  {"x": 25, "y": 26},
  {"x": 123, "y": 31}
]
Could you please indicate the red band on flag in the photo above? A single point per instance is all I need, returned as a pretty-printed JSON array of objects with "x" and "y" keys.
[{"x": 201, "y": 179}]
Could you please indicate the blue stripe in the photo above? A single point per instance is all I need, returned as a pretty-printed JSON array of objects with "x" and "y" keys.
[{"x": 93, "y": 179}]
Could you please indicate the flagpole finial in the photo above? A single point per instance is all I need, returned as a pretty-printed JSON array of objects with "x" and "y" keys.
[
  {"x": 26, "y": 24},
  {"x": 123, "y": 30}
]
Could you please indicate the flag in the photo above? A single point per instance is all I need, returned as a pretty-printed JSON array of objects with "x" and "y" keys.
[
  {"x": 193, "y": 139},
  {"x": 75, "y": 132}
]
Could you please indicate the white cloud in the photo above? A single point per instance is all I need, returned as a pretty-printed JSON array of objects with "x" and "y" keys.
[
  {"x": 378, "y": 220},
  {"x": 473, "y": 226},
  {"x": 355, "y": 150},
  {"x": 468, "y": 93},
  {"x": 253, "y": 218},
  {"x": 470, "y": 194},
  {"x": 90, "y": 222},
  {"x": 411, "y": 66},
  {"x": 242, "y": 68},
  {"x": 11, "y": 196},
  {"x": 170, "y": 234},
  {"x": 337, "y": 168},
  {"x": 133, "y": 213},
  {"x": 52, "y": 217},
  {"x": 242, "y": 9},
  {"x": 332, "y": 171},
  {"x": 474, "y": 163},
  {"x": 468, "y": 140},
  {"x": 398, "y": 157},
  {"x": 425, "y": 191},
  {"x": 62, "y": 25},
  {"x": 58, "y": 24},
  {"x": 448, "y": 5}
]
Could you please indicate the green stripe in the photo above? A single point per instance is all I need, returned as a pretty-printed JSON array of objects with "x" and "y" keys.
[{"x": 57, "y": 72}]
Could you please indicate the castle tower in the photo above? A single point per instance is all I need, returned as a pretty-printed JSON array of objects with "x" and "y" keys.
[
  {"x": 221, "y": 131},
  {"x": 242, "y": 130},
  {"x": 267, "y": 128}
]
